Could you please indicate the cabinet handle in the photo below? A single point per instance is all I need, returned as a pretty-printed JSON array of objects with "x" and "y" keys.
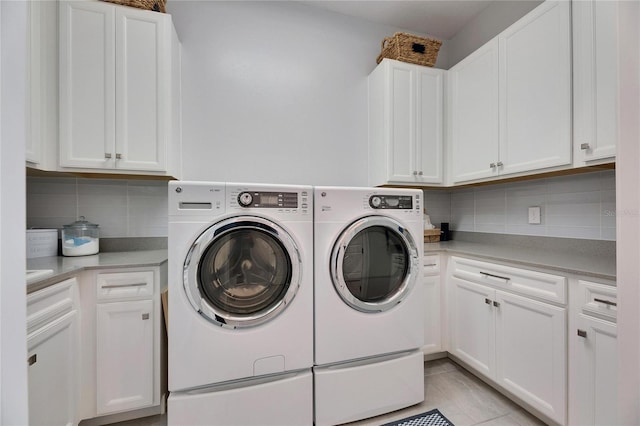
[
  {"x": 582, "y": 333},
  {"x": 585, "y": 146},
  {"x": 606, "y": 302},
  {"x": 431, "y": 264},
  {"x": 145, "y": 316},
  {"x": 32, "y": 359},
  {"x": 118, "y": 156},
  {"x": 123, "y": 285},
  {"x": 499, "y": 164},
  {"x": 107, "y": 155},
  {"x": 420, "y": 173},
  {"x": 492, "y": 165},
  {"x": 496, "y": 304},
  {"x": 486, "y": 274},
  {"x": 415, "y": 173},
  {"x": 487, "y": 301}
]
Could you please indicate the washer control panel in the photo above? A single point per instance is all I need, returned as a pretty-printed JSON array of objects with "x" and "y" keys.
[
  {"x": 265, "y": 199},
  {"x": 399, "y": 202}
]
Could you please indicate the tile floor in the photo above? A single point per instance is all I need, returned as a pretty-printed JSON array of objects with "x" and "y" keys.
[{"x": 459, "y": 395}]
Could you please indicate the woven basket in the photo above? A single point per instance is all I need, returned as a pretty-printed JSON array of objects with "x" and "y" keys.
[
  {"x": 410, "y": 48},
  {"x": 155, "y": 5},
  {"x": 432, "y": 235}
]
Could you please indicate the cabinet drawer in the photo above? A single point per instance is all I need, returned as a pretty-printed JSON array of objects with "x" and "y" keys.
[
  {"x": 125, "y": 285},
  {"x": 599, "y": 300},
  {"x": 51, "y": 303},
  {"x": 540, "y": 285},
  {"x": 431, "y": 263}
]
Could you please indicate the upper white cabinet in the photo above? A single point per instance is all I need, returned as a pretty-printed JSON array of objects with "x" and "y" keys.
[
  {"x": 595, "y": 80},
  {"x": 405, "y": 124},
  {"x": 473, "y": 115},
  {"x": 531, "y": 90},
  {"x": 119, "y": 89}
]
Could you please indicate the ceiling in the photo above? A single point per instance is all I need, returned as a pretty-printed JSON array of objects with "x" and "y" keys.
[{"x": 438, "y": 18}]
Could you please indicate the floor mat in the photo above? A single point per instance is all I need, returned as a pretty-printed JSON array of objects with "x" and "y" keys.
[{"x": 430, "y": 418}]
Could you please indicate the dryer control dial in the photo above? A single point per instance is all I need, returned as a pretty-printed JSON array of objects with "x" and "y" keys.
[{"x": 245, "y": 199}]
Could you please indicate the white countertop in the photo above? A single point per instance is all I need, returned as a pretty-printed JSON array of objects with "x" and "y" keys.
[
  {"x": 596, "y": 265},
  {"x": 64, "y": 267}
]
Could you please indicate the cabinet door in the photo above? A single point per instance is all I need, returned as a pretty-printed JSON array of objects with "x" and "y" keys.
[
  {"x": 531, "y": 352},
  {"x": 125, "y": 361},
  {"x": 473, "y": 121},
  {"x": 52, "y": 372},
  {"x": 429, "y": 123},
  {"x": 401, "y": 89},
  {"x": 87, "y": 84},
  {"x": 594, "y": 387},
  {"x": 432, "y": 321},
  {"x": 535, "y": 93},
  {"x": 142, "y": 77},
  {"x": 595, "y": 79},
  {"x": 472, "y": 325}
]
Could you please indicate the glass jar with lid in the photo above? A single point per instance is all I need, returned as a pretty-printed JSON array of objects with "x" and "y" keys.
[{"x": 80, "y": 238}]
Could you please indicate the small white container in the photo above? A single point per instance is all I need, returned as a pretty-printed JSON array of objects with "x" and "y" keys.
[{"x": 42, "y": 243}]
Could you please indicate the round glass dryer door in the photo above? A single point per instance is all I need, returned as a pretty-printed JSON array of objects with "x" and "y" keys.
[
  {"x": 242, "y": 272},
  {"x": 374, "y": 264}
]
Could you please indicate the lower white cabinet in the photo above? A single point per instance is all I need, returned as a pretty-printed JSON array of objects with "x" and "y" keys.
[
  {"x": 593, "y": 354},
  {"x": 514, "y": 340},
  {"x": 125, "y": 364},
  {"x": 432, "y": 305},
  {"x": 127, "y": 340},
  {"x": 52, "y": 344}
]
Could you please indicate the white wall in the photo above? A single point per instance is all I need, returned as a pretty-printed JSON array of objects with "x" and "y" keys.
[
  {"x": 13, "y": 119},
  {"x": 275, "y": 91},
  {"x": 490, "y": 22}
]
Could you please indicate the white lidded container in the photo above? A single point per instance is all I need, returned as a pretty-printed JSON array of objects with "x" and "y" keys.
[
  {"x": 80, "y": 238},
  {"x": 42, "y": 243}
]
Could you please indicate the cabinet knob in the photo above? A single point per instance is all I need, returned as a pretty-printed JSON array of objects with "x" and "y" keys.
[
  {"x": 496, "y": 304},
  {"x": 420, "y": 173},
  {"x": 492, "y": 165},
  {"x": 118, "y": 156},
  {"x": 499, "y": 164},
  {"x": 145, "y": 316},
  {"x": 32, "y": 359},
  {"x": 582, "y": 333},
  {"x": 107, "y": 155},
  {"x": 415, "y": 172},
  {"x": 487, "y": 301},
  {"x": 585, "y": 146}
]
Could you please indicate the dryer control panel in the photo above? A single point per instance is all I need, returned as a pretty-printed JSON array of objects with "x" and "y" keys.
[
  {"x": 400, "y": 202},
  {"x": 264, "y": 199}
]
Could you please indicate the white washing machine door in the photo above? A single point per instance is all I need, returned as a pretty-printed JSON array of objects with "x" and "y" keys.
[
  {"x": 242, "y": 272},
  {"x": 374, "y": 264}
]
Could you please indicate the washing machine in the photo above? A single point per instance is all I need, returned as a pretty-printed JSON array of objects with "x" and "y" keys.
[
  {"x": 240, "y": 330},
  {"x": 368, "y": 248}
]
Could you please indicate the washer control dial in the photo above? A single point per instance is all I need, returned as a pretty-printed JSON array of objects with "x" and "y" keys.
[
  {"x": 245, "y": 199},
  {"x": 375, "y": 201}
]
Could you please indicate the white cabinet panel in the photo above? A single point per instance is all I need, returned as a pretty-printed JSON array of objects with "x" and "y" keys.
[
  {"x": 125, "y": 355},
  {"x": 535, "y": 81},
  {"x": 595, "y": 80},
  {"x": 473, "y": 119},
  {"x": 405, "y": 124},
  {"x": 52, "y": 372}
]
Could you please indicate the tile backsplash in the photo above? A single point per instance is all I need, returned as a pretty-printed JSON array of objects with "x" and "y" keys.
[
  {"x": 577, "y": 206},
  {"x": 122, "y": 208}
]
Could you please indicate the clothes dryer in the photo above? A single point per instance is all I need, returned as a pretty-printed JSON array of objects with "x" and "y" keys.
[
  {"x": 368, "y": 247},
  {"x": 240, "y": 329}
]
